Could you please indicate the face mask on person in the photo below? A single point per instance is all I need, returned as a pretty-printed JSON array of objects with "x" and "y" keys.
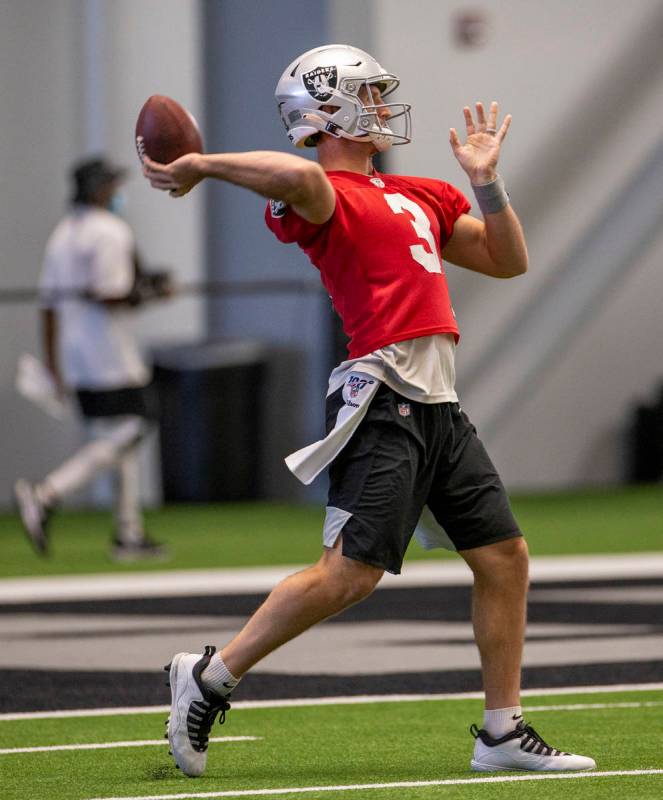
[{"x": 118, "y": 203}]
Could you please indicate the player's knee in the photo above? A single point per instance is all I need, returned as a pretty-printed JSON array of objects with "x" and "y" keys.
[
  {"x": 348, "y": 580},
  {"x": 364, "y": 581},
  {"x": 515, "y": 561},
  {"x": 355, "y": 581},
  {"x": 512, "y": 551},
  {"x": 507, "y": 560},
  {"x": 126, "y": 432}
]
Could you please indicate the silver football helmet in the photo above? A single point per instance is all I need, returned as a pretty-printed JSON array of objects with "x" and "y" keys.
[{"x": 331, "y": 78}]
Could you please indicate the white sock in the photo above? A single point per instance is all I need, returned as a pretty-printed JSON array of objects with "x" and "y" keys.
[
  {"x": 217, "y": 677},
  {"x": 500, "y": 721}
]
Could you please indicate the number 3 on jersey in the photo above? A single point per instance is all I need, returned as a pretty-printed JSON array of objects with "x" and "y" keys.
[{"x": 398, "y": 203}]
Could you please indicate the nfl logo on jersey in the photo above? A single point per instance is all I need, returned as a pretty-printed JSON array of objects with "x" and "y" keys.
[
  {"x": 277, "y": 207},
  {"x": 404, "y": 409}
]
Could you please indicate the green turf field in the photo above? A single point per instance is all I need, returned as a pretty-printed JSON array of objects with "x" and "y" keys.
[
  {"x": 233, "y": 535},
  {"x": 339, "y": 745}
]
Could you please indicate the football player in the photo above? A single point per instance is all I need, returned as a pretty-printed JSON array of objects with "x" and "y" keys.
[{"x": 397, "y": 439}]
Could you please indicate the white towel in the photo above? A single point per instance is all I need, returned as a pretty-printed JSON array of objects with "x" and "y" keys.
[
  {"x": 35, "y": 383},
  {"x": 359, "y": 389}
]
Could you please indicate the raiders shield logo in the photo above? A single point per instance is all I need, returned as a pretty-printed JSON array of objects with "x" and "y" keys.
[
  {"x": 277, "y": 208},
  {"x": 319, "y": 81}
]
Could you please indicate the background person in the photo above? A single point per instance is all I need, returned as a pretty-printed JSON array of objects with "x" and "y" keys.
[
  {"x": 91, "y": 279},
  {"x": 397, "y": 438}
]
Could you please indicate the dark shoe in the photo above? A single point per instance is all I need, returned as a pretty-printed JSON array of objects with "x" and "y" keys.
[
  {"x": 142, "y": 550},
  {"x": 34, "y": 515}
]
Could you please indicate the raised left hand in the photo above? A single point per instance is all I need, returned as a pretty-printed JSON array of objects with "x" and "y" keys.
[{"x": 480, "y": 153}]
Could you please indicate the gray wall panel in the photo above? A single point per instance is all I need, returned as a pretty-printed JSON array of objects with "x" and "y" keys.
[{"x": 247, "y": 46}]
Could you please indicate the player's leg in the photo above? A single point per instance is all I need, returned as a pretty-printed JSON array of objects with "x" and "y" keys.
[
  {"x": 201, "y": 684},
  {"x": 36, "y": 501},
  {"x": 110, "y": 439},
  {"x": 470, "y": 502},
  {"x": 130, "y": 542},
  {"x": 126, "y": 507},
  {"x": 375, "y": 499},
  {"x": 506, "y": 741},
  {"x": 298, "y": 602},
  {"x": 499, "y": 601}
]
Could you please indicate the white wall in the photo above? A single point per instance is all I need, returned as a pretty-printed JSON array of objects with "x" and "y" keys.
[
  {"x": 577, "y": 80},
  {"x": 74, "y": 75},
  {"x": 569, "y": 428}
]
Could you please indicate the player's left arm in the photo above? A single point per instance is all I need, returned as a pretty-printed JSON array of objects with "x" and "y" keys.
[{"x": 496, "y": 246}]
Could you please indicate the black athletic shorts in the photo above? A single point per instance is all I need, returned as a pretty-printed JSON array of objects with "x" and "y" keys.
[
  {"x": 405, "y": 455},
  {"x": 139, "y": 401}
]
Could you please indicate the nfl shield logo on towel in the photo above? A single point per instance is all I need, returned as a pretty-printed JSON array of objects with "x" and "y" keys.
[{"x": 404, "y": 409}]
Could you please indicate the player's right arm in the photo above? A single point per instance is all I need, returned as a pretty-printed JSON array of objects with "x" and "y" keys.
[
  {"x": 49, "y": 339},
  {"x": 147, "y": 286},
  {"x": 298, "y": 182}
]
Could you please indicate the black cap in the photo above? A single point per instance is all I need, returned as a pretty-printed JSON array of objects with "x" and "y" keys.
[{"x": 92, "y": 174}]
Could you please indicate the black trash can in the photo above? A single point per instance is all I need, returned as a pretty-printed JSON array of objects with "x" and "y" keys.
[
  {"x": 645, "y": 444},
  {"x": 211, "y": 410}
]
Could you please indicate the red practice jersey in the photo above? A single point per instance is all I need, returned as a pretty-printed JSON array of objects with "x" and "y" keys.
[{"x": 379, "y": 255}]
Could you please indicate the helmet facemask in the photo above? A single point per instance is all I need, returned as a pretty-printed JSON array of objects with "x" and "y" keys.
[{"x": 359, "y": 118}]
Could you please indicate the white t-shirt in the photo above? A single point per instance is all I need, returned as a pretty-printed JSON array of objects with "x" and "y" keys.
[
  {"x": 420, "y": 369},
  {"x": 92, "y": 250}
]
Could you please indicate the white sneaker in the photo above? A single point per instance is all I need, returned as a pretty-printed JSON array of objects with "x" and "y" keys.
[
  {"x": 34, "y": 515},
  {"x": 192, "y": 712},
  {"x": 523, "y": 748}
]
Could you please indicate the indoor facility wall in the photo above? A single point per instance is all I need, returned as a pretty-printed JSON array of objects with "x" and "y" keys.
[{"x": 582, "y": 81}]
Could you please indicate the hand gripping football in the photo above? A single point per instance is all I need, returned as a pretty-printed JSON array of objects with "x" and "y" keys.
[{"x": 165, "y": 130}]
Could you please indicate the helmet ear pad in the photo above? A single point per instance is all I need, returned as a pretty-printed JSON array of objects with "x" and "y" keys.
[{"x": 334, "y": 120}]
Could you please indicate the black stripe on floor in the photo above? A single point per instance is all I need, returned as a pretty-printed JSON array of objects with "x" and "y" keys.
[
  {"x": 439, "y": 603},
  {"x": 41, "y": 690}
]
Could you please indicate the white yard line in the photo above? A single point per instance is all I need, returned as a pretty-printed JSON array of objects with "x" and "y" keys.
[
  {"x": 112, "y": 745},
  {"x": 591, "y": 706},
  {"x": 333, "y": 701},
  {"x": 179, "y": 583},
  {"x": 395, "y": 785}
]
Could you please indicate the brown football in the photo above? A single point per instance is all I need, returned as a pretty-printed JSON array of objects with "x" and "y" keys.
[{"x": 165, "y": 130}]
